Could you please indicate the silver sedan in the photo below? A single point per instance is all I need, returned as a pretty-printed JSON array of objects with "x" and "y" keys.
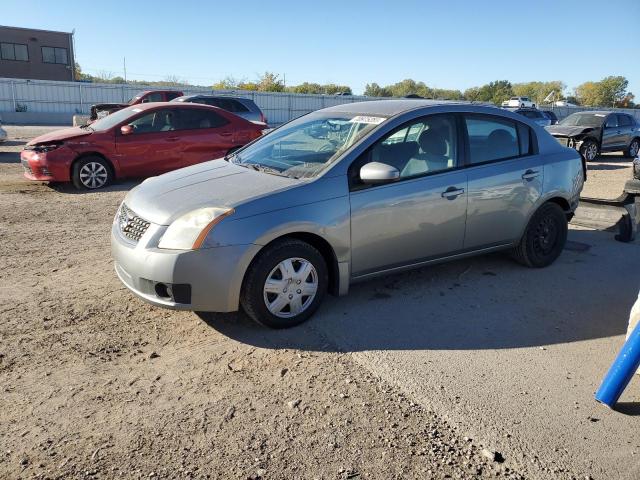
[{"x": 341, "y": 195}]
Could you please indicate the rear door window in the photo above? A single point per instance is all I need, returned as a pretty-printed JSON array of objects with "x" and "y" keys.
[
  {"x": 624, "y": 121},
  {"x": 492, "y": 138},
  {"x": 199, "y": 118}
]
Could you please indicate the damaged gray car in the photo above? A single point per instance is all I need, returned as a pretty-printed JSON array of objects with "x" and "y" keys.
[{"x": 592, "y": 133}]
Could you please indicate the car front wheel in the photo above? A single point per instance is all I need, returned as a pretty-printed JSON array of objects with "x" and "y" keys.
[
  {"x": 544, "y": 238},
  {"x": 589, "y": 150},
  {"x": 285, "y": 284},
  {"x": 91, "y": 173}
]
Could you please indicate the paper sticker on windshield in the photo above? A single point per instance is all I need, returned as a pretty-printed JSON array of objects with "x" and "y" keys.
[
  {"x": 600, "y": 115},
  {"x": 367, "y": 119},
  {"x": 136, "y": 110}
]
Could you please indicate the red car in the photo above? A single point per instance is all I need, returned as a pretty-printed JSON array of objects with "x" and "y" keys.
[{"x": 138, "y": 141}]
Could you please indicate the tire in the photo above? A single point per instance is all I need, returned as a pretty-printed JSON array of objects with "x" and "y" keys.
[
  {"x": 589, "y": 150},
  {"x": 91, "y": 173},
  {"x": 634, "y": 148},
  {"x": 276, "y": 308},
  {"x": 544, "y": 238}
]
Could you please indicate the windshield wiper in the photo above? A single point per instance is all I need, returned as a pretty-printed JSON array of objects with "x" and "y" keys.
[
  {"x": 232, "y": 158},
  {"x": 265, "y": 169}
]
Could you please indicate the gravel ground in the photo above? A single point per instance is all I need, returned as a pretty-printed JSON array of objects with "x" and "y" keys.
[{"x": 97, "y": 384}]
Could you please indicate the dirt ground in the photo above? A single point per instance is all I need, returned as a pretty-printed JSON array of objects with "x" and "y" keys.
[{"x": 97, "y": 384}]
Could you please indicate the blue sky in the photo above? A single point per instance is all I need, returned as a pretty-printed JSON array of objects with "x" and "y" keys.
[{"x": 445, "y": 43}]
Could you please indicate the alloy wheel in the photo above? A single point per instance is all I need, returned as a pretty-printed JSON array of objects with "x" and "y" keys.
[
  {"x": 290, "y": 287},
  {"x": 633, "y": 148},
  {"x": 591, "y": 152},
  {"x": 93, "y": 175}
]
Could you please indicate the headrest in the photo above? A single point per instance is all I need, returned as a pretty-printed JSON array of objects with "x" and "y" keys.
[{"x": 433, "y": 142}]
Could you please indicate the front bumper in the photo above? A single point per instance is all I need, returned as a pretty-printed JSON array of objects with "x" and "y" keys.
[
  {"x": 213, "y": 275},
  {"x": 51, "y": 166}
]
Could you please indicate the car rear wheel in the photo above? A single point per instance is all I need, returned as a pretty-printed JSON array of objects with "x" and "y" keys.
[
  {"x": 589, "y": 150},
  {"x": 544, "y": 238},
  {"x": 91, "y": 173},
  {"x": 285, "y": 284},
  {"x": 634, "y": 148}
]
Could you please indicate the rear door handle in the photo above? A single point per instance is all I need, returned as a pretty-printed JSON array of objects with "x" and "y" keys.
[
  {"x": 452, "y": 193},
  {"x": 530, "y": 175},
  {"x": 225, "y": 134}
]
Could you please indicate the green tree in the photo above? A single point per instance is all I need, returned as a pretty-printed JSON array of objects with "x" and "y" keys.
[
  {"x": 613, "y": 90},
  {"x": 375, "y": 90},
  {"x": 270, "y": 82}
]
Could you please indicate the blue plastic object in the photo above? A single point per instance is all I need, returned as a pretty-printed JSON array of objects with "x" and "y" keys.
[{"x": 622, "y": 370}]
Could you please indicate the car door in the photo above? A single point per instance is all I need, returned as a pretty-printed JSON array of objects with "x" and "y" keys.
[
  {"x": 505, "y": 179},
  {"x": 205, "y": 135},
  {"x": 420, "y": 216},
  {"x": 153, "y": 147},
  {"x": 626, "y": 126},
  {"x": 611, "y": 136}
]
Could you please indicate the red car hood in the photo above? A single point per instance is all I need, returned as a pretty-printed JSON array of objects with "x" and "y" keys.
[{"x": 60, "y": 135}]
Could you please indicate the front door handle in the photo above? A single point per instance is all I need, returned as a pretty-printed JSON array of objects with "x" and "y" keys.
[
  {"x": 530, "y": 175},
  {"x": 452, "y": 193}
]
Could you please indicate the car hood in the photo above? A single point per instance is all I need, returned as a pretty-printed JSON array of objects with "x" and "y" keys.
[
  {"x": 60, "y": 135},
  {"x": 217, "y": 183},
  {"x": 568, "y": 130}
]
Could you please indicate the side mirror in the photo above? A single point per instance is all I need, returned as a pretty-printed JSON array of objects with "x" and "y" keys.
[
  {"x": 375, "y": 173},
  {"x": 126, "y": 129}
]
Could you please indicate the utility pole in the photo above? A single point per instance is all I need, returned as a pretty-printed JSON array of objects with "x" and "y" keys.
[{"x": 124, "y": 63}]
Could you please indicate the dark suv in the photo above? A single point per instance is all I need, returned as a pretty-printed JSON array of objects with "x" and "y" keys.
[
  {"x": 243, "y": 107},
  {"x": 598, "y": 131}
]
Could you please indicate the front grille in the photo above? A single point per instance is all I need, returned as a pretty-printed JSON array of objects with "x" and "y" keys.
[{"x": 131, "y": 225}]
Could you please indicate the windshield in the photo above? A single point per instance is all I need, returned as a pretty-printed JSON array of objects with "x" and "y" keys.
[
  {"x": 135, "y": 97},
  {"x": 584, "y": 120},
  {"x": 304, "y": 147},
  {"x": 114, "y": 119}
]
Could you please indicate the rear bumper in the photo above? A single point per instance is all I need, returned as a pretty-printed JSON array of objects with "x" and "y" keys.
[{"x": 212, "y": 276}]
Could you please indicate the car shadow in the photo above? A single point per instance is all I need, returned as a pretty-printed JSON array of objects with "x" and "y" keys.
[
  {"x": 628, "y": 408},
  {"x": 485, "y": 302},
  {"x": 121, "y": 186},
  {"x": 591, "y": 167},
  {"x": 9, "y": 157},
  {"x": 613, "y": 157}
]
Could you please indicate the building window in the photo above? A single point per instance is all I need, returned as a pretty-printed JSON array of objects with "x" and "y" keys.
[
  {"x": 14, "y": 51},
  {"x": 54, "y": 55}
]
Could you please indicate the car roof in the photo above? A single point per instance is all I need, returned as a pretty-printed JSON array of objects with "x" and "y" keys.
[
  {"x": 388, "y": 107},
  {"x": 208, "y": 95},
  {"x": 152, "y": 105},
  {"x": 599, "y": 112}
]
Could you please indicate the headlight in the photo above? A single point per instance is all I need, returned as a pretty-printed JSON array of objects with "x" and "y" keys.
[
  {"x": 44, "y": 148},
  {"x": 189, "y": 231}
]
